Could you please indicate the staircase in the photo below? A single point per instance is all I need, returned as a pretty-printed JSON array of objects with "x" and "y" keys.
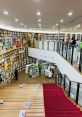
[
  {"x": 15, "y": 99},
  {"x": 57, "y": 104},
  {"x": 36, "y": 109}
]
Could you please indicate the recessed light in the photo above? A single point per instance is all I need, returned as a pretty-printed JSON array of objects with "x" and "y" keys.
[
  {"x": 57, "y": 24},
  {"x": 39, "y": 20},
  {"x": 16, "y": 20},
  {"x": 6, "y": 12},
  {"x": 78, "y": 26},
  {"x": 61, "y": 21},
  {"x": 21, "y": 24},
  {"x": 70, "y": 14},
  {"x": 38, "y": 13}
]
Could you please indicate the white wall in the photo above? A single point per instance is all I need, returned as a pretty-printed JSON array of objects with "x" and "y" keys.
[{"x": 54, "y": 57}]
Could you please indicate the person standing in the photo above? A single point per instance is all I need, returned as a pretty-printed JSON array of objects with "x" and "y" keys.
[
  {"x": 16, "y": 74},
  {"x": 40, "y": 68},
  {"x": 73, "y": 41}
]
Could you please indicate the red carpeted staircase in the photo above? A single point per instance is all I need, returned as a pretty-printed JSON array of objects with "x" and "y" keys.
[{"x": 57, "y": 104}]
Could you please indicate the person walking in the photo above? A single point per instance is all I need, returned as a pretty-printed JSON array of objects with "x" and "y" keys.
[{"x": 16, "y": 74}]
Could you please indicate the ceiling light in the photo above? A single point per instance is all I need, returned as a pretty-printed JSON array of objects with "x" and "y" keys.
[
  {"x": 6, "y": 12},
  {"x": 16, "y": 20},
  {"x": 61, "y": 21},
  {"x": 78, "y": 26},
  {"x": 39, "y": 20},
  {"x": 70, "y": 14},
  {"x": 57, "y": 24},
  {"x": 38, "y": 13},
  {"x": 21, "y": 24}
]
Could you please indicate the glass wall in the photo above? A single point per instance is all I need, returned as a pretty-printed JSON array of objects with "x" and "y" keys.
[{"x": 72, "y": 53}]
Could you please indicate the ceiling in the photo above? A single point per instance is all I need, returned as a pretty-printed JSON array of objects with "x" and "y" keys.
[{"x": 52, "y": 11}]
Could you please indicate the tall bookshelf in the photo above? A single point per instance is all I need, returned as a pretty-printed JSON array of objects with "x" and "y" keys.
[{"x": 13, "y": 53}]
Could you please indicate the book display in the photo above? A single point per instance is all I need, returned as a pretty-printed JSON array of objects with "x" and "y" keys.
[
  {"x": 13, "y": 53},
  {"x": 53, "y": 37},
  {"x": 33, "y": 70},
  {"x": 45, "y": 66}
]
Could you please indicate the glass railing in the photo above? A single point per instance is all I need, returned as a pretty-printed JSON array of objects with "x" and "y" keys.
[
  {"x": 72, "y": 89},
  {"x": 72, "y": 54}
]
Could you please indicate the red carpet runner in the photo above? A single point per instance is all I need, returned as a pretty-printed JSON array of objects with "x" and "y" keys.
[{"x": 56, "y": 104}]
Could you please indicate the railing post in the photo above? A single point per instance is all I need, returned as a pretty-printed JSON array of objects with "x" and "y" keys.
[
  {"x": 72, "y": 55},
  {"x": 77, "y": 93},
  {"x": 69, "y": 88},
  {"x": 58, "y": 79},
  {"x": 54, "y": 46},
  {"x": 62, "y": 49},
  {"x": 66, "y": 51},
  {"x": 80, "y": 61},
  {"x": 64, "y": 81},
  {"x": 61, "y": 77},
  {"x": 42, "y": 45},
  {"x": 48, "y": 45},
  {"x": 57, "y": 46}
]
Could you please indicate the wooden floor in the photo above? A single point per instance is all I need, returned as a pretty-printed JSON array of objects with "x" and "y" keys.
[{"x": 16, "y": 94}]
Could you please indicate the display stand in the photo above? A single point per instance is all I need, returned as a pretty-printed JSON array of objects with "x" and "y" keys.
[{"x": 33, "y": 71}]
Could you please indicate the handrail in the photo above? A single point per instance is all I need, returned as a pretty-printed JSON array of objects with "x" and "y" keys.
[
  {"x": 67, "y": 51},
  {"x": 72, "y": 80},
  {"x": 71, "y": 87},
  {"x": 69, "y": 91}
]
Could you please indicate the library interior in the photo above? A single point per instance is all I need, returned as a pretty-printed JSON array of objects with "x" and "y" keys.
[{"x": 41, "y": 58}]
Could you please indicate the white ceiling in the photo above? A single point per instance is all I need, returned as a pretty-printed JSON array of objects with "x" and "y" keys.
[{"x": 52, "y": 11}]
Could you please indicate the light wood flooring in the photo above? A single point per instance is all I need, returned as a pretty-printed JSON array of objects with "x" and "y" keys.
[{"x": 26, "y": 89}]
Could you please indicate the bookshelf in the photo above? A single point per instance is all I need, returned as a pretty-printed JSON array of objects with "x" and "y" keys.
[{"x": 13, "y": 54}]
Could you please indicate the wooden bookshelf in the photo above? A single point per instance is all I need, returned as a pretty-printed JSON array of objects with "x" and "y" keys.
[{"x": 12, "y": 55}]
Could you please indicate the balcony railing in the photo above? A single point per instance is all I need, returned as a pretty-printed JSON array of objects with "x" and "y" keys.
[
  {"x": 72, "y": 89},
  {"x": 73, "y": 54}
]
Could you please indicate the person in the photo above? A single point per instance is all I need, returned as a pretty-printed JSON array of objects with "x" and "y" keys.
[
  {"x": 68, "y": 40},
  {"x": 78, "y": 50},
  {"x": 16, "y": 74},
  {"x": 73, "y": 43},
  {"x": 40, "y": 68},
  {"x": 0, "y": 79},
  {"x": 50, "y": 73}
]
